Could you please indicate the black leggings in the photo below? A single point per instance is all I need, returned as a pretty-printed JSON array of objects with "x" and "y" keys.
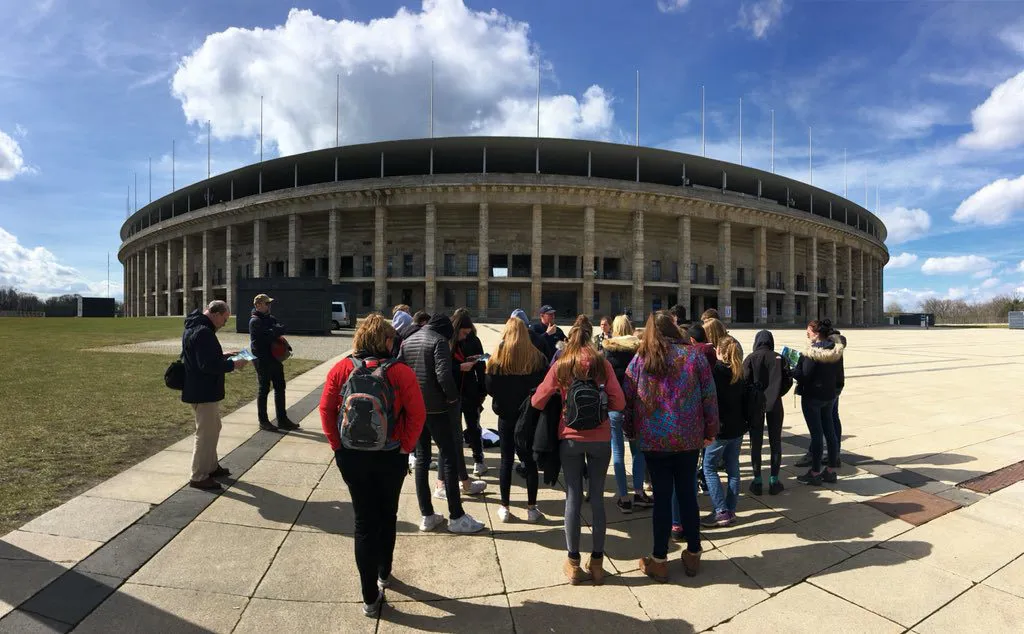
[
  {"x": 775, "y": 418},
  {"x": 472, "y": 434},
  {"x": 506, "y": 432}
]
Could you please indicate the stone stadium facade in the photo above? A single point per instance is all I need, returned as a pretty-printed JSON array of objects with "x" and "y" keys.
[{"x": 502, "y": 223}]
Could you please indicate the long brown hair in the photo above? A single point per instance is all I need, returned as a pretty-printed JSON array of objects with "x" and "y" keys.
[
  {"x": 516, "y": 354},
  {"x": 715, "y": 331},
  {"x": 372, "y": 336},
  {"x": 659, "y": 333},
  {"x": 729, "y": 349},
  {"x": 580, "y": 359}
]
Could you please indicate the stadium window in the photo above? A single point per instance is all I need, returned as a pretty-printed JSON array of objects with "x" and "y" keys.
[
  {"x": 472, "y": 264},
  {"x": 367, "y": 266},
  {"x": 391, "y": 266},
  {"x": 367, "y": 297},
  {"x": 449, "y": 298},
  {"x": 407, "y": 266},
  {"x": 514, "y": 298},
  {"x": 655, "y": 270},
  {"x": 597, "y": 300},
  {"x": 778, "y": 307},
  {"x": 709, "y": 274},
  {"x": 449, "y": 265},
  {"x": 347, "y": 266},
  {"x": 407, "y": 296},
  {"x": 656, "y": 303},
  {"x": 693, "y": 272},
  {"x": 493, "y": 298},
  {"x": 471, "y": 298}
]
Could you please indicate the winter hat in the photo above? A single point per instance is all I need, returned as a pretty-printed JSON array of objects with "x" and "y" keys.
[
  {"x": 401, "y": 320},
  {"x": 519, "y": 313}
]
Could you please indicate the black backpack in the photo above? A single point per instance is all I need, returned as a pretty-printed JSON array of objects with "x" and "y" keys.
[
  {"x": 586, "y": 405},
  {"x": 367, "y": 418},
  {"x": 174, "y": 375}
]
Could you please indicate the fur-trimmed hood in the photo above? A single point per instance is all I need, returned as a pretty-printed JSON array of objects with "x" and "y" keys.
[
  {"x": 828, "y": 351},
  {"x": 626, "y": 343}
]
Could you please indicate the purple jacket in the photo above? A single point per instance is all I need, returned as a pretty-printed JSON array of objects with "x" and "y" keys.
[{"x": 673, "y": 413}]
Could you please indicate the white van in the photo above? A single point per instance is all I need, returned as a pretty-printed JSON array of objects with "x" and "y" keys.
[{"x": 339, "y": 316}]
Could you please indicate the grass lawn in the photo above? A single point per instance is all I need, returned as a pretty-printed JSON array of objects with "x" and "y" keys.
[{"x": 73, "y": 418}]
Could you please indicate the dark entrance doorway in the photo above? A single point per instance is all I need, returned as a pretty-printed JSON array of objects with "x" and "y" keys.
[
  {"x": 564, "y": 303},
  {"x": 744, "y": 310}
]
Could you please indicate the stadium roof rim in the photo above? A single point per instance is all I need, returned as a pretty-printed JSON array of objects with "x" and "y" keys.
[{"x": 441, "y": 156}]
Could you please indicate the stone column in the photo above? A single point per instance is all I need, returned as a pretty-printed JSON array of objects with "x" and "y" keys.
[
  {"x": 229, "y": 265},
  {"x": 380, "y": 270},
  {"x": 639, "y": 262},
  {"x": 204, "y": 272},
  {"x": 860, "y": 289},
  {"x": 146, "y": 295},
  {"x": 259, "y": 238},
  {"x": 880, "y": 306},
  {"x": 333, "y": 257},
  {"x": 812, "y": 274},
  {"x": 170, "y": 278},
  {"x": 294, "y": 236},
  {"x": 848, "y": 318},
  {"x": 429, "y": 260},
  {"x": 535, "y": 255},
  {"x": 128, "y": 305},
  {"x": 868, "y": 291},
  {"x": 588, "y": 262},
  {"x": 789, "y": 273},
  {"x": 685, "y": 256},
  {"x": 483, "y": 262},
  {"x": 186, "y": 276},
  {"x": 725, "y": 271},
  {"x": 156, "y": 280},
  {"x": 761, "y": 282},
  {"x": 833, "y": 280}
]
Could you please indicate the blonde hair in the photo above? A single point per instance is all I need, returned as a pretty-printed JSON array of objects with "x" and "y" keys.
[
  {"x": 621, "y": 326},
  {"x": 715, "y": 331},
  {"x": 372, "y": 336},
  {"x": 729, "y": 349},
  {"x": 516, "y": 354},
  {"x": 401, "y": 308},
  {"x": 580, "y": 359}
]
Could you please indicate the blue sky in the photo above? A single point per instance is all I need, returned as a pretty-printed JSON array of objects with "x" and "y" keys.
[{"x": 927, "y": 100}]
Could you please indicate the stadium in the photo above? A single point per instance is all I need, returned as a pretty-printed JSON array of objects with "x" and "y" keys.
[{"x": 502, "y": 223}]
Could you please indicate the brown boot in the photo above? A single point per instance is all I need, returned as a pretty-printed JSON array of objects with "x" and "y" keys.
[
  {"x": 657, "y": 570},
  {"x": 691, "y": 562},
  {"x": 573, "y": 572},
  {"x": 596, "y": 567}
]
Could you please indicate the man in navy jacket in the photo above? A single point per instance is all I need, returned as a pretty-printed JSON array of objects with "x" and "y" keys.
[{"x": 264, "y": 330}]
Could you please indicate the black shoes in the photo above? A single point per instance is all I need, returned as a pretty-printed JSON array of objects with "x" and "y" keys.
[
  {"x": 756, "y": 487},
  {"x": 287, "y": 425},
  {"x": 209, "y": 484},
  {"x": 810, "y": 478},
  {"x": 220, "y": 472},
  {"x": 806, "y": 461},
  {"x": 775, "y": 488},
  {"x": 829, "y": 476},
  {"x": 268, "y": 426}
]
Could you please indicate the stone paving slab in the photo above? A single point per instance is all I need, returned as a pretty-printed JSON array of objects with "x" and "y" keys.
[
  {"x": 22, "y": 579},
  {"x": 313, "y": 567},
  {"x": 259, "y": 506},
  {"x": 483, "y": 614},
  {"x": 21, "y": 622},
  {"x": 23, "y": 545},
  {"x": 1010, "y": 579},
  {"x": 985, "y": 609},
  {"x": 607, "y": 608},
  {"x": 137, "y": 485},
  {"x": 126, "y": 553},
  {"x": 71, "y": 597},
  {"x": 915, "y": 507},
  {"x": 91, "y": 518},
  {"x": 141, "y": 608},
  {"x": 855, "y": 527},
  {"x": 283, "y": 617}
]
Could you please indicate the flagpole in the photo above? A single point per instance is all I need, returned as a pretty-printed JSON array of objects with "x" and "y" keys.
[
  {"x": 108, "y": 273},
  {"x": 741, "y": 130},
  {"x": 135, "y": 175},
  {"x": 431, "y": 99},
  {"x": 773, "y": 142},
  {"x": 337, "y": 111},
  {"x": 703, "y": 135},
  {"x": 844, "y": 174},
  {"x": 810, "y": 155},
  {"x": 538, "y": 98},
  {"x": 151, "y": 179},
  {"x": 209, "y": 129},
  {"x": 261, "y": 128},
  {"x": 638, "y": 108},
  {"x": 172, "y": 165}
]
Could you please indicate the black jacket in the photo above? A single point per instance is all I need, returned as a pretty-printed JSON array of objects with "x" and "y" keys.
[
  {"x": 620, "y": 351},
  {"x": 731, "y": 402},
  {"x": 820, "y": 372},
  {"x": 404, "y": 333},
  {"x": 205, "y": 365},
  {"x": 766, "y": 367},
  {"x": 546, "y": 443},
  {"x": 428, "y": 354},
  {"x": 550, "y": 342},
  {"x": 471, "y": 384},
  {"x": 508, "y": 391},
  {"x": 264, "y": 329}
]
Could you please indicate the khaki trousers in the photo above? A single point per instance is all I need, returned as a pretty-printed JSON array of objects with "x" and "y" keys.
[{"x": 204, "y": 454}]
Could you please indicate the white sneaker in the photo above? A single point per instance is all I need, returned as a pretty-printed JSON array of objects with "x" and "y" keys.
[
  {"x": 440, "y": 493},
  {"x": 479, "y": 469},
  {"x": 430, "y": 522},
  {"x": 412, "y": 461},
  {"x": 465, "y": 525},
  {"x": 475, "y": 487},
  {"x": 534, "y": 516},
  {"x": 504, "y": 514}
]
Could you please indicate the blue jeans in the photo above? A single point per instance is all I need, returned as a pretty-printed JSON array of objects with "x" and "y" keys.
[
  {"x": 729, "y": 452},
  {"x": 619, "y": 457},
  {"x": 838, "y": 425},
  {"x": 674, "y": 472},
  {"x": 818, "y": 416}
]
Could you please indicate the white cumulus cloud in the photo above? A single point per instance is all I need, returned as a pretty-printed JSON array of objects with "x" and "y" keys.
[
  {"x": 12, "y": 162},
  {"x": 485, "y": 73},
  {"x": 901, "y": 261},
  {"x": 759, "y": 17},
  {"x": 905, "y": 224},
  {"x": 999, "y": 121},
  {"x": 993, "y": 204},
  {"x": 957, "y": 264},
  {"x": 37, "y": 270},
  {"x": 991, "y": 282},
  {"x": 672, "y": 6},
  {"x": 1020, "y": 267},
  {"x": 908, "y": 122}
]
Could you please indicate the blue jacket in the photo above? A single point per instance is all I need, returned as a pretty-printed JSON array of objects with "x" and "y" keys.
[
  {"x": 205, "y": 364},
  {"x": 264, "y": 329}
]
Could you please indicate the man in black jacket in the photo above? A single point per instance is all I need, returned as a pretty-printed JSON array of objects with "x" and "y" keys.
[
  {"x": 551, "y": 333},
  {"x": 264, "y": 330},
  {"x": 427, "y": 352},
  {"x": 205, "y": 367}
]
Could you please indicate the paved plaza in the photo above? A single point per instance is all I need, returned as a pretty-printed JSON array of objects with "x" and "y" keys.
[{"x": 894, "y": 546}]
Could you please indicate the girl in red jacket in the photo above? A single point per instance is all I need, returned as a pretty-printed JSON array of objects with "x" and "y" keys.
[{"x": 374, "y": 478}]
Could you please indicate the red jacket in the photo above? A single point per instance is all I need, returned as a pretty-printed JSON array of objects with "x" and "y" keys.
[
  {"x": 616, "y": 403},
  {"x": 409, "y": 409}
]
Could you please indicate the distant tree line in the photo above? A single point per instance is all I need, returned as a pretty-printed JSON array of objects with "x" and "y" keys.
[
  {"x": 11, "y": 299},
  {"x": 958, "y": 311}
]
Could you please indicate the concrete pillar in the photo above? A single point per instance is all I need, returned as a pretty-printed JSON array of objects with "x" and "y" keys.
[
  {"x": 483, "y": 261},
  {"x": 170, "y": 278},
  {"x": 294, "y": 236},
  {"x": 789, "y": 273},
  {"x": 833, "y": 280},
  {"x": 725, "y": 271},
  {"x": 761, "y": 281},
  {"x": 259, "y": 239},
  {"x": 535, "y": 255},
  {"x": 333, "y": 257},
  {"x": 156, "y": 281},
  {"x": 204, "y": 272},
  {"x": 146, "y": 295},
  {"x": 848, "y": 317},
  {"x": 812, "y": 274},
  {"x": 860, "y": 289},
  {"x": 229, "y": 265},
  {"x": 186, "y": 276},
  {"x": 587, "y": 307},
  {"x": 685, "y": 256},
  {"x": 639, "y": 263},
  {"x": 128, "y": 307},
  {"x": 429, "y": 260},
  {"x": 380, "y": 270},
  {"x": 880, "y": 306}
]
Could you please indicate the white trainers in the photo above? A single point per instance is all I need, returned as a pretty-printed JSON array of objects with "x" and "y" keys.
[
  {"x": 430, "y": 522},
  {"x": 479, "y": 469},
  {"x": 475, "y": 487},
  {"x": 465, "y": 525},
  {"x": 534, "y": 516},
  {"x": 412, "y": 461},
  {"x": 440, "y": 493},
  {"x": 504, "y": 514}
]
